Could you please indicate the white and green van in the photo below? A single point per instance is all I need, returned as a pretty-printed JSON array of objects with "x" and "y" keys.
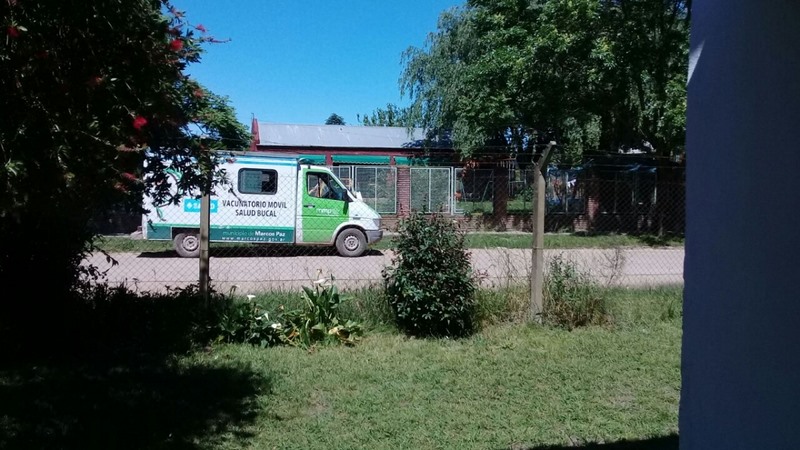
[{"x": 270, "y": 199}]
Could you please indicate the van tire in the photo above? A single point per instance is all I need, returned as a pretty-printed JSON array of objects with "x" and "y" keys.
[
  {"x": 351, "y": 242},
  {"x": 187, "y": 245}
]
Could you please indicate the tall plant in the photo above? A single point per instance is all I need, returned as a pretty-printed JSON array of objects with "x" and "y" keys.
[{"x": 430, "y": 285}]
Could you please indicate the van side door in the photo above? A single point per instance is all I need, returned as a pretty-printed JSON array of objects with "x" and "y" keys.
[{"x": 324, "y": 206}]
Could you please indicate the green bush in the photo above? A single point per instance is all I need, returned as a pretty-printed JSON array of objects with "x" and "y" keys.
[
  {"x": 318, "y": 320},
  {"x": 570, "y": 298},
  {"x": 247, "y": 322},
  {"x": 429, "y": 285}
]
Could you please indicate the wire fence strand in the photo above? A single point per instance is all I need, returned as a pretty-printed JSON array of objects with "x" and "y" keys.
[{"x": 622, "y": 225}]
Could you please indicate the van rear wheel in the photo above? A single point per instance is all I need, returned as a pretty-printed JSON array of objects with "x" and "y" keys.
[
  {"x": 351, "y": 243},
  {"x": 187, "y": 245}
]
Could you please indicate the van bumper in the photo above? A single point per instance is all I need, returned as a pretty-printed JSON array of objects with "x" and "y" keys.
[{"x": 374, "y": 236}]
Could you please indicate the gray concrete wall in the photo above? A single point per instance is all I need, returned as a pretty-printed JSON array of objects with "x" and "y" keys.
[{"x": 741, "y": 347}]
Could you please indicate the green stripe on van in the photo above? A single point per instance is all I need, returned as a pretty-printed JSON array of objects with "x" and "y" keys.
[{"x": 163, "y": 231}]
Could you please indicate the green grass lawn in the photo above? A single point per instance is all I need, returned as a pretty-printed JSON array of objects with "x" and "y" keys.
[
  {"x": 559, "y": 240},
  {"x": 511, "y": 386},
  {"x": 113, "y": 244}
]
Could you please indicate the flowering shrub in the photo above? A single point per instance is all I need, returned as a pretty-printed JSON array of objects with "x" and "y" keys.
[
  {"x": 246, "y": 322},
  {"x": 89, "y": 91},
  {"x": 318, "y": 321}
]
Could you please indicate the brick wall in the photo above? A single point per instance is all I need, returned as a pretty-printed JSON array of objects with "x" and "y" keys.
[{"x": 403, "y": 190}]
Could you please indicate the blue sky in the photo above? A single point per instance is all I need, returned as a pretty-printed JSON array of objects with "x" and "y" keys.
[{"x": 291, "y": 61}]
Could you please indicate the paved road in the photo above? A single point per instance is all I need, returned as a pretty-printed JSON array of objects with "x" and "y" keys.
[{"x": 495, "y": 266}]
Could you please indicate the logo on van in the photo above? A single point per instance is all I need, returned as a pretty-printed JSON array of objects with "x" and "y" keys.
[{"x": 192, "y": 205}]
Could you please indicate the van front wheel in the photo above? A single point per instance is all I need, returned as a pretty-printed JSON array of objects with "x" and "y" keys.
[
  {"x": 351, "y": 242},
  {"x": 187, "y": 245}
]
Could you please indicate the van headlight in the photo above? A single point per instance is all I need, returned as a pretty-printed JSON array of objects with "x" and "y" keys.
[{"x": 377, "y": 223}]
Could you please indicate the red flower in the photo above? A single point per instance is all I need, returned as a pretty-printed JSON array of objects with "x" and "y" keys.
[
  {"x": 200, "y": 28},
  {"x": 199, "y": 93},
  {"x": 139, "y": 122},
  {"x": 176, "y": 45},
  {"x": 12, "y": 31},
  {"x": 95, "y": 81}
]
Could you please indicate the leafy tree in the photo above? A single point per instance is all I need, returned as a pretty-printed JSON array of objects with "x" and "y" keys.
[
  {"x": 507, "y": 75},
  {"x": 334, "y": 119},
  {"x": 90, "y": 92},
  {"x": 645, "y": 98},
  {"x": 392, "y": 116}
]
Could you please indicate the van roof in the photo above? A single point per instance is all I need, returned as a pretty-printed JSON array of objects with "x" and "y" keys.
[{"x": 259, "y": 154}]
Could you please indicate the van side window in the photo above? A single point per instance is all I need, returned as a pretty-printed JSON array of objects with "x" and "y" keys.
[
  {"x": 317, "y": 186},
  {"x": 258, "y": 181},
  {"x": 322, "y": 186}
]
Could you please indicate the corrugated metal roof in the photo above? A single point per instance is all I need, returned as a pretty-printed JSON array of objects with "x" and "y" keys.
[{"x": 289, "y": 135}]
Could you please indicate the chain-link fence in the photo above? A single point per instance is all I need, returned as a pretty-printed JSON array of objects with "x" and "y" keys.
[{"x": 279, "y": 226}]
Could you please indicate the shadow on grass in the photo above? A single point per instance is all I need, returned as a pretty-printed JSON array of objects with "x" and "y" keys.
[
  {"x": 659, "y": 443},
  {"x": 127, "y": 407},
  {"x": 106, "y": 370}
]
